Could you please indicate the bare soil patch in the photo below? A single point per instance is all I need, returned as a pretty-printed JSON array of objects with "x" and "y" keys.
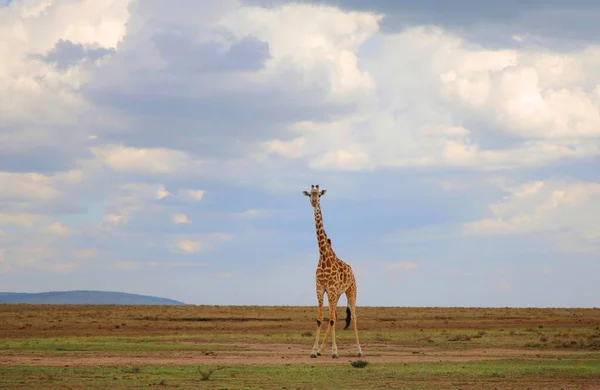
[{"x": 274, "y": 354}]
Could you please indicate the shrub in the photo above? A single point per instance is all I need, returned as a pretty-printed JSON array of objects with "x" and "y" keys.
[{"x": 359, "y": 363}]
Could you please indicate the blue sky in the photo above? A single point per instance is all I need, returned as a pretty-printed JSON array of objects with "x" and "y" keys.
[{"x": 164, "y": 151}]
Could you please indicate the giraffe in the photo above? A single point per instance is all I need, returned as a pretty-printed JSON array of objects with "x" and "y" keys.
[{"x": 334, "y": 277}]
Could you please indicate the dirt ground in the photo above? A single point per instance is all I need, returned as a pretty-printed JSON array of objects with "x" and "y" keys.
[
  {"x": 25, "y": 321},
  {"x": 220, "y": 322},
  {"x": 274, "y": 354},
  {"x": 115, "y": 337}
]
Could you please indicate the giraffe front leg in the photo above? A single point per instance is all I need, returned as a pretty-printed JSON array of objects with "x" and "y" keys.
[
  {"x": 324, "y": 339},
  {"x": 327, "y": 331},
  {"x": 317, "y": 352},
  {"x": 331, "y": 327}
]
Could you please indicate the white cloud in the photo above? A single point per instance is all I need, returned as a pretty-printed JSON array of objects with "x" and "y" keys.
[
  {"x": 290, "y": 149},
  {"x": 27, "y": 185},
  {"x": 162, "y": 192},
  {"x": 186, "y": 244},
  {"x": 563, "y": 207},
  {"x": 270, "y": 99},
  {"x": 522, "y": 92},
  {"x": 56, "y": 228},
  {"x": 251, "y": 213},
  {"x": 20, "y": 219},
  {"x": 42, "y": 257},
  {"x": 142, "y": 160},
  {"x": 115, "y": 219},
  {"x": 196, "y": 195},
  {"x": 344, "y": 160},
  {"x": 135, "y": 200},
  {"x": 189, "y": 246},
  {"x": 180, "y": 218},
  {"x": 446, "y": 82},
  {"x": 319, "y": 42},
  {"x": 29, "y": 30},
  {"x": 124, "y": 265}
]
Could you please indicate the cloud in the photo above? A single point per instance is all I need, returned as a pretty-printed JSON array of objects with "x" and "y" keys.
[
  {"x": 180, "y": 218},
  {"x": 23, "y": 219},
  {"x": 556, "y": 25},
  {"x": 30, "y": 30},
  {"x": 57, "y": 228},
  {"x": 188, "y": 246},
  {"x": 66, "y": 54},
  {"x": 142, "y": 160},
  {"x": 251, "y": 213},
  {"x": 196, "y": 195},
  {"x": 184, "y": 53},
  {"x": 115, "y": 219},
  {"x": 43, "y": 257},
  {"x": 27, "y": 185},
  {"x": 150, "y": 265},
  {"x": 123, "y": 121},
  {"x": 563, "y": 208},
  {"x": 162, "y": 193}
]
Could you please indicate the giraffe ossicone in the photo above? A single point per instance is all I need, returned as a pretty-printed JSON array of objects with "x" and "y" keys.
[{"x": 334, "y": 277}]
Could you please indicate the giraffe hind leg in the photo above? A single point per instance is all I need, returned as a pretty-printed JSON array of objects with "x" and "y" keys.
[{"x": 351, "y": 296}]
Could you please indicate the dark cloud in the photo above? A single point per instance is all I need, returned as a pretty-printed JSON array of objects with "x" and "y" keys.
[
  {"x": 41, "y": 148},
  {"x": 183, "y": 53},
  {"x": 562, "y": 25},
  {"x": 201, "y": 102},
  {"x": 36, "y": 159},
  {"x": 66, "y": 54},
  {"x": 215, "y": 125}
]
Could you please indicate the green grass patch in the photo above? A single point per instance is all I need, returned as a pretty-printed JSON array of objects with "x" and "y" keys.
[
  {"x": 115, "y": 344},
  {"x": 442, "y": 375},
  {"x": 546, "y": 338}
]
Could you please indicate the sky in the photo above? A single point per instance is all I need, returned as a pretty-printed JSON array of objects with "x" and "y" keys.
[{"x": 163, "y": 150}]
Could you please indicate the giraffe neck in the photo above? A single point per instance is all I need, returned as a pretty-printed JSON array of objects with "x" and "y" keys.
[{"x": 324, "y": 249}]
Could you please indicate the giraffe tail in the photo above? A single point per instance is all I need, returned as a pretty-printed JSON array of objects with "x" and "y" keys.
[{"x": 348, "y": 317}]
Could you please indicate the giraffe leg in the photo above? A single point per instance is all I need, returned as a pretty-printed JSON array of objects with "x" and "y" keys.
[
  {"x": 351, "y": 296},
  {"x": 324, "y": 340},
  {"x": 327, "y": 332},
  {"x": 314, "y": 353},
  {"x": 333, "y": 298}
]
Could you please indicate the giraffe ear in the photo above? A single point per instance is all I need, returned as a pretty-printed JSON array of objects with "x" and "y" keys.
[
  {"x": 323, "y": 192},
  {"x": 306, "y": 193}
]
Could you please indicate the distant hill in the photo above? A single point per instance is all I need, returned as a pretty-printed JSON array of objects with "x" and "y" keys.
[{"x": 83, "y": 297}]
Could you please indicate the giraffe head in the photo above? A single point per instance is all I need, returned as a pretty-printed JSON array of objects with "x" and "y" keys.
[{"x": 314, "y": 194}]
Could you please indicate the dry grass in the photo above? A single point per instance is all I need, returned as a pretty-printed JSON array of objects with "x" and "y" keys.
[{"x": 172, "y": 346}]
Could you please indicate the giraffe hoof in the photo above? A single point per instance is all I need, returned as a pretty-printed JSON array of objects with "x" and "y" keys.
[
  {"x": 335, "y": 356},
  {"x": 313, "y": 355},
  {"x": 360, "y": 354},
  {"x": 318, "y": 353}
]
